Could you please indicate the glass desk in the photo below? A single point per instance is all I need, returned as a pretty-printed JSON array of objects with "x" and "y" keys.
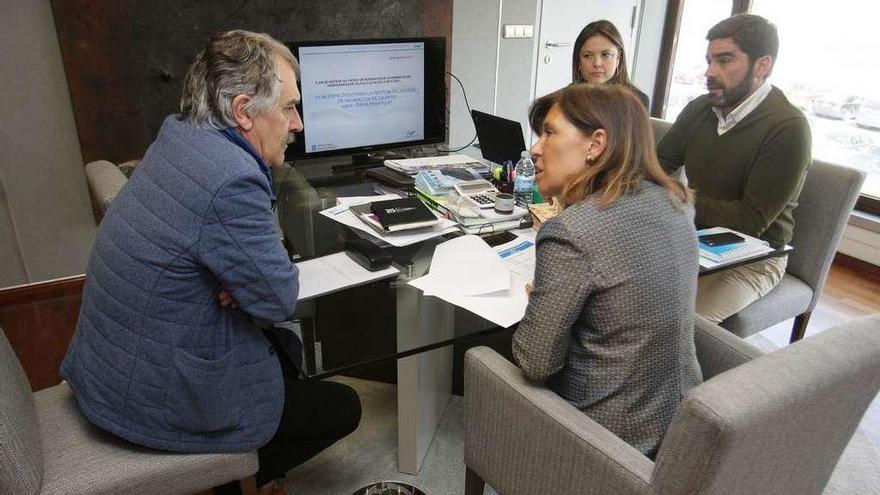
[{"x": 382, "y": 321}]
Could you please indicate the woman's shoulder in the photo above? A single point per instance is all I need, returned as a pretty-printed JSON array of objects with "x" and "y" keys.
[
  {"x": 648, "y": 197},
  {"x": 654, "y": 197}
]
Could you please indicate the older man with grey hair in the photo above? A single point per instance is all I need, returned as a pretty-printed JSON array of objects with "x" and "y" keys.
[{"x": 166, "y": 354}]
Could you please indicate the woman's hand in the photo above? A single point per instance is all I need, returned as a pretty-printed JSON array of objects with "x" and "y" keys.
[{"x": 529, "y": 288}]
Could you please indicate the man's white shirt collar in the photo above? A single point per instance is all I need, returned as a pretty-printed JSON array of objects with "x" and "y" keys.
[{"x": 736, "y": 115}]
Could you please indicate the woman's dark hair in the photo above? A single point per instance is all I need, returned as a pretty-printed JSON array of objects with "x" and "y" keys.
[
  {"x": 629, "y": 156},
  {"x": 606, "y": 29}
]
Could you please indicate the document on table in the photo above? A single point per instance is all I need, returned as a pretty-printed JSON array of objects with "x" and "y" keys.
[
  {"x": 335, "y": 272},
  {"x": 466, "y": 266},
  {"x": 519, "y": 256},
  {"x": 499, "y": 296},
  {"x": 342, "y": 214}
]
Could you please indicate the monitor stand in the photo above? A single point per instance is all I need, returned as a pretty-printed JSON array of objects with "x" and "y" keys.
[
  {"x": 359, "y": 162},
  {"x": 364, "y": 161}
]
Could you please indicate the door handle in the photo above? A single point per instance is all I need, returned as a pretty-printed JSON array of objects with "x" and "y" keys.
[{"x": 557, "y": 44}]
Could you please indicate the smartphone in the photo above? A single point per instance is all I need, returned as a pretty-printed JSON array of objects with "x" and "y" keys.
[{"x": 721, "y": 239}]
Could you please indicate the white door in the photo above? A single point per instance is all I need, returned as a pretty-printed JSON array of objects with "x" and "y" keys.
[{"x": 560, "y": 23}]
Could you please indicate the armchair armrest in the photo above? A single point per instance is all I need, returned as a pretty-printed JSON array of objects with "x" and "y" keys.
[
  {"x": 523, "y": 438},
  {"x": 105, "y": 180},
  {"x": 718, "y": 350}
]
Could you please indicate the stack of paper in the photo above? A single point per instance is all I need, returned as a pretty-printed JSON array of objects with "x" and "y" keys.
[
  {"x": 489, "y": 282},
  {"x": 412, "y": 166},
  {"x": 472, "y": 220}
]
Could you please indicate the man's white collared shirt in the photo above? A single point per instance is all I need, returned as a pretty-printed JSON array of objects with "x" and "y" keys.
[{"x": 736, "y": 115}]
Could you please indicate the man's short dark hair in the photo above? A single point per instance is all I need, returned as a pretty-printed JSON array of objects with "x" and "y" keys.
[{"x": 753, "y": 34}]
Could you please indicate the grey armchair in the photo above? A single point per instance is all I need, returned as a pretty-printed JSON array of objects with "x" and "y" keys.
[
  {"x": 659, "y": 126},
  {"x": 47, "y": 447},
  {"x": 828, "y": 196},
  {"x": 105, "y": 181},
  {"x": 732, "y": 435}
]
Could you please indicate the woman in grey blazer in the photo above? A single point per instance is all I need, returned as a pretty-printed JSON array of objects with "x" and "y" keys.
[{"x": 609, "y": 324}]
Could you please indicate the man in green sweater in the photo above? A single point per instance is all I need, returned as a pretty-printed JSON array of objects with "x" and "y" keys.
[{"x": 745, "y": 150}]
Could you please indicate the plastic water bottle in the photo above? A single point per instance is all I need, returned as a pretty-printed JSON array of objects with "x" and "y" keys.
[{"x": 524, "y": 180}]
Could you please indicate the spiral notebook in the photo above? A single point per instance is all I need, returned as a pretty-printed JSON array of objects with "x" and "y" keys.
[{"x": 732, "y": 252}]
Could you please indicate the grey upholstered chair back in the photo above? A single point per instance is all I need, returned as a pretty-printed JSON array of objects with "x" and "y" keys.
[
  {"x": 21, "y": 458},
  {"x": 105, "y": 181},
  {"x": 660, "y": 127},
  {"x": 777, "y": 424},
  {"x": 826, "y": 201}
]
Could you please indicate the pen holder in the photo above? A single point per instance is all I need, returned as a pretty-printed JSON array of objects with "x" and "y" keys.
[
  {"x": 504, "y": 203},
  {"x": 504, "y": 186}
]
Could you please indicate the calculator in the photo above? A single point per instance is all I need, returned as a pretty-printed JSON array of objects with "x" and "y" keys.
[{"x": 479, "y": 193}]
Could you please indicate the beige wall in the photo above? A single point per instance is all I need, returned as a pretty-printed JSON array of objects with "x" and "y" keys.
[{"x": 46, "y": 224}]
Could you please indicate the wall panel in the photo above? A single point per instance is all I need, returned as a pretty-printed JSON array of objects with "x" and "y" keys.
[{"x": 126, "y": 59}]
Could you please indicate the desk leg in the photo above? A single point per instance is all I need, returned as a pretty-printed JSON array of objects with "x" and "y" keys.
[{"x": 424, "y": 381}]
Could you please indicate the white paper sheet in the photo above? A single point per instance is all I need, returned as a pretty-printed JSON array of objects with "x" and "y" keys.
[
  {"x": 465, "y": 266},
  {"x": 503, "y": 307},
  {"x": 343, "y": 215},
  {"x": 333, "y": 273}
]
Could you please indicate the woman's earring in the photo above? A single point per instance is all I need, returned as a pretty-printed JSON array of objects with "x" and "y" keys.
[{"x": 589, "y": 158}]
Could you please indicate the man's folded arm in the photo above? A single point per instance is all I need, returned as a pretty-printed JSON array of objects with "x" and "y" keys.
[{"x": 241, "y": 246}]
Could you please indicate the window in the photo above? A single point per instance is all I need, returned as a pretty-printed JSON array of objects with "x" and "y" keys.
[
  {"x": 828, "y": 65},
  {"x": 689, "y": 62}
]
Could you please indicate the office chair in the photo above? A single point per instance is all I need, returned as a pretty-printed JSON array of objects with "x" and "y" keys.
[
  {"x": 773, "y": 423},
  {"x": 48, "y": 447},
  {"x": 659, "y": 126},
  {"x": 824, "y": 206}
]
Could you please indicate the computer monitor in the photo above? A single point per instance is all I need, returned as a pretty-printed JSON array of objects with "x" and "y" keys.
[{"x": 359, "y": 96}]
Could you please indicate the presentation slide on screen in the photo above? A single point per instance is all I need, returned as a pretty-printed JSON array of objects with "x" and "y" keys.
[{"x": 362, "y": 95}]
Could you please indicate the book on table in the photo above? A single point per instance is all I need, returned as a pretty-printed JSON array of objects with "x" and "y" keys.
[
  {"x": 396, "y": 215},
  {"x": 735, "y": 246}
]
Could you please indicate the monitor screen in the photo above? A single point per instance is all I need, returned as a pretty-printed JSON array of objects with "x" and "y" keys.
[{"x": 364, "y": 95}]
